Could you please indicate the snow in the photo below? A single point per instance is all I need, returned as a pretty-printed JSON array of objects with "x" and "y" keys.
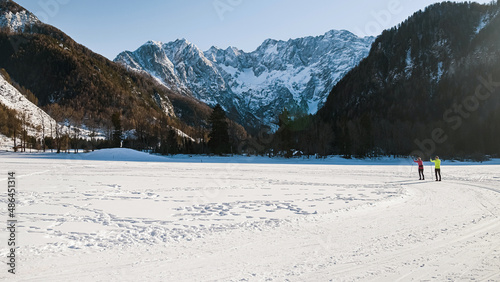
[
  {"x": 439, "y": 73},
  {"x": 6, "y": 143},
  {"x": 485, "y": 20},
  {"x": 13, "y": 99},
  {"x": 272, "y": 50},
  {"x": 37, "y": 119},
  {"x": 313, "y": 106},
  {"x": 17, "y": 22},
  {"x": 440, "y": 70},
  {"x": 182, "y": 134},
  {"x": 409, "y": 64},
  {"x": 123, "y": 215},
  {"x": 158, "y": 44},
  {"x": 246, "y": 82},
  {"x": 277, "y": 74}
]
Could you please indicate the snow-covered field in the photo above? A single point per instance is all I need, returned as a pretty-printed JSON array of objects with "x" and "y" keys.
[{"x": 121, "y": 215}]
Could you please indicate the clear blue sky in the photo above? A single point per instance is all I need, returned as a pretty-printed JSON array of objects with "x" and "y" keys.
[{"x": 111, "y": 26}]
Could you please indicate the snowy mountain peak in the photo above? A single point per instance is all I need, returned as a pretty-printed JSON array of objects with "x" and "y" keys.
[
  {"x": 16, "y": 18},
  {"x": 153, "y": 43},
  {"x": 269, "y": 42},
  {"x": 254, "y": 87},
  {"x": 180, "y": 44},
  {"x": 339, "y": 33},
  {"x": 233, "y": 50}
]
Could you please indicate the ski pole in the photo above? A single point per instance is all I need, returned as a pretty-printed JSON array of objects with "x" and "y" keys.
[{"x": 411, "y": 169}]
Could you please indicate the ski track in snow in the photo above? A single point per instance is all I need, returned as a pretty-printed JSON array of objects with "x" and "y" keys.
[{"x": 91, "y": 220}]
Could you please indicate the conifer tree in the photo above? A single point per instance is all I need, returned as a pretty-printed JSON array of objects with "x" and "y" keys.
[
  {"x": 219, "y": 136},
  {"x": 284, "y": 133},
  {"x": 172, "y": 145},
  {"x": 117, "y": 132}
]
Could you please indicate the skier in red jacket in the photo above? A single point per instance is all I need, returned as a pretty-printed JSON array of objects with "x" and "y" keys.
[{"x": 420, "y": 168}]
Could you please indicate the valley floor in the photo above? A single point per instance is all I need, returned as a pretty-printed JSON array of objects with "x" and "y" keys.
[{"x": 147, "y": 218}]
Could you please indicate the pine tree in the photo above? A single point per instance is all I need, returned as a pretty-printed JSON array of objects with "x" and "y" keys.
[
  {"x": 219, "y": 136},
  {"x": 284, "y": 133},
  {"x": 172, "y": 145},
  {"x": 117, "y": 132},
  {"x": 14, "y": 126}
]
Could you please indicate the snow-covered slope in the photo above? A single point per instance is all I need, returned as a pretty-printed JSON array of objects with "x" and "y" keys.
[
  {"x": 35, "y": 117},
  {"x": 6, "y": 143},
  {"x": 254, "y": 87},
  {"x": 16, "y": 19},
  {"x": 38, "y": 122}
]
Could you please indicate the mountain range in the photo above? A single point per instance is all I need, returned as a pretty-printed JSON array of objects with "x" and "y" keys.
[{"x": 254, "y": 87}]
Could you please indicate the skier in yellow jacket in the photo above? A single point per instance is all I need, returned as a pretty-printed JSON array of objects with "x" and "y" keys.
[{"x": 437, "y": 165}]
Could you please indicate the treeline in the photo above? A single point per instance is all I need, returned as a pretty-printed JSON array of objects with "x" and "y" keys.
[
  {"x": 15, "y": 125},
  {"x": 10, "y": 6},
  {"x": 222, "y": 136},
  {"x": 10, "y": 125},
  {"x": 155, "y": 134}
]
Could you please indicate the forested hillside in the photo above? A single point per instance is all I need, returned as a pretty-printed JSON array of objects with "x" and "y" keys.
[{"x": 429, "y": 86}]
